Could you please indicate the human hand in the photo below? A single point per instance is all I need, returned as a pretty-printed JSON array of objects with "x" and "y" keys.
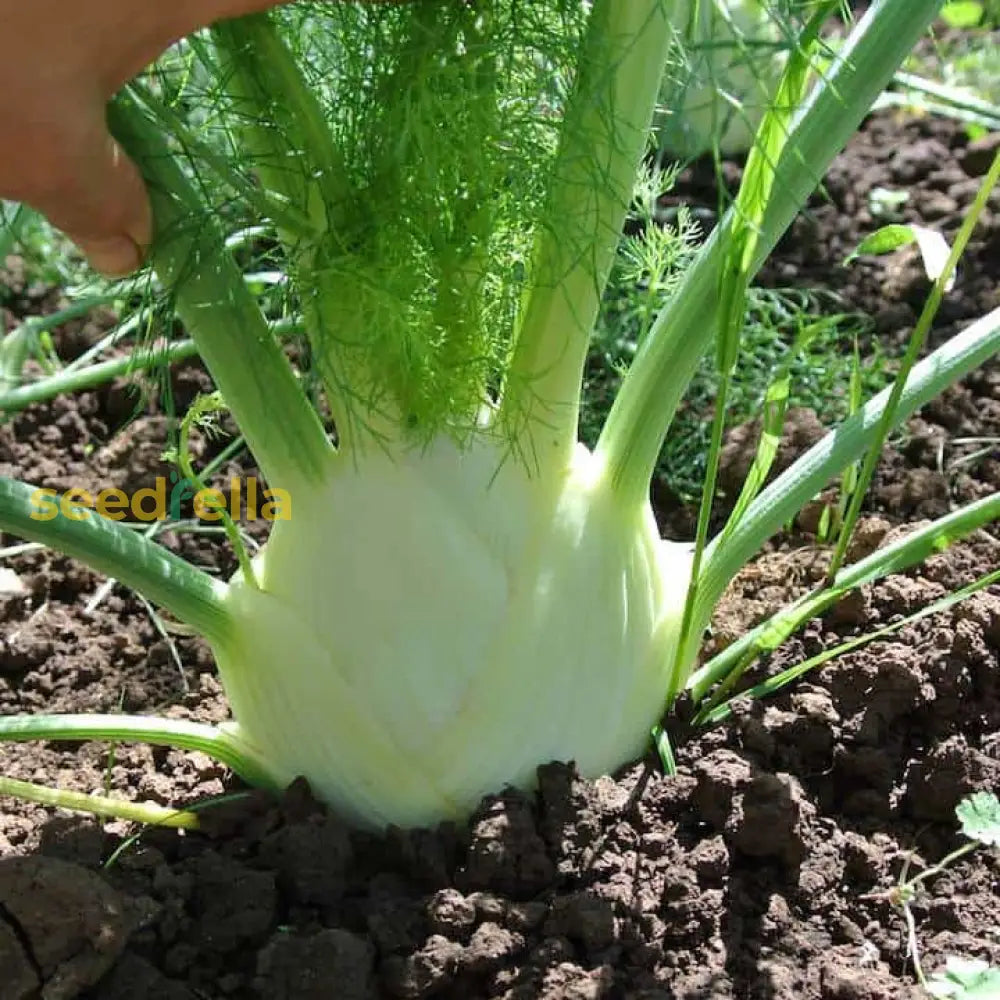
[{"x": 60, "y": 62}]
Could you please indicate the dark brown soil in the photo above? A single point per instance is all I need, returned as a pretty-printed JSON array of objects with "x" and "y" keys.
[{"x": 760, "y": 871}]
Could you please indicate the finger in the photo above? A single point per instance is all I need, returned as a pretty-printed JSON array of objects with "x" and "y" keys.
[{"x": 101, "y": 202}]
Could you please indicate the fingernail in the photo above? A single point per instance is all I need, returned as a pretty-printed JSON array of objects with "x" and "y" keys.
[{"x": 114, "y": 257}]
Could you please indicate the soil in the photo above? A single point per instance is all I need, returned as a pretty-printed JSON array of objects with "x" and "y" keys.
[{"x": 762, "y": 870}]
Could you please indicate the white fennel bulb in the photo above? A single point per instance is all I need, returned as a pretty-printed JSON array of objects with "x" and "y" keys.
[
  {"x": 431, "y": 626},
  {"x": 720, "y": 79}
]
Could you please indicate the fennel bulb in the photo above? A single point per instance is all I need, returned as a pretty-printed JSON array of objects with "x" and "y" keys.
[
  {"x": 720, "y": 78},
  {"x": 430, "y": 626}
]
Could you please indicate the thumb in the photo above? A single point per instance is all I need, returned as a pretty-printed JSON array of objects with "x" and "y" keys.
[{"x": 101, "y": 202}]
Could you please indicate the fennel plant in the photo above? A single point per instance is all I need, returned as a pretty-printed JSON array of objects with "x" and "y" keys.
[
  {"x": 463, "y": 591},
  {"x": 724, "y": 67}
]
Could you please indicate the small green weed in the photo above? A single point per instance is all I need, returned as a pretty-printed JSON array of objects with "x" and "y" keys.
[
  {"x": 776, "y": 319},
  {"x": 813, "y": 324},
  {"x": 961, "y": 978}
]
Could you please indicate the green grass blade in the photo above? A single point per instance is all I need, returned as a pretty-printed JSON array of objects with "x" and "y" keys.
[
  {"x": 749, "y": 211},
  {"x": 913, "y": 349},
  {"x": 906, "y": 552},
  {"x": 850, "y": 479},
  {"x": 772, "y": 421},
  {"x": 785, "y": 497},
  {"x": 773, "y": 684},
  {"x": 665, "y": 751},
  {"x": 193, "y": 810},
  {"x": 108, "y": 547}
]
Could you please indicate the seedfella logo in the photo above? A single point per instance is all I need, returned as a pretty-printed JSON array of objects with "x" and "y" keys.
[{"x": 158, "y": 503}]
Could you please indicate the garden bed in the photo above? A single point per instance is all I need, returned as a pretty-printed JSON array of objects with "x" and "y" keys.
[{"x": 761, "y": 871}]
